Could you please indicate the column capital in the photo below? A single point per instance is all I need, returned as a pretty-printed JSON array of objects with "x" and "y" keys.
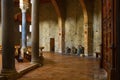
[
  {"x": 23, "y": 10},
  {"x": 24, "y": 5}
]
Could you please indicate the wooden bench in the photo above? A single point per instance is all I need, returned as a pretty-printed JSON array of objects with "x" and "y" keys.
[{"x": 27, "y": 56}]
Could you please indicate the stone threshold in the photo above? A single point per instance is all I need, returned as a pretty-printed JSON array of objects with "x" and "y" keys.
[
  {"x": 19, "y": 73},
  {"x": 27, "y": 69}
]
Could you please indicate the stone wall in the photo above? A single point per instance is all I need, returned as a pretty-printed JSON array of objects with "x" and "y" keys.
[
  {"x": 48, "y": 26},
  {"x": 73, "y": 25},
  {"x": 74, "y": 35},
  {"x": 97, "y": 26}
]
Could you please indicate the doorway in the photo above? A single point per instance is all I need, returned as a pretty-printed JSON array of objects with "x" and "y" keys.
[{"x": 52, "y": 44}]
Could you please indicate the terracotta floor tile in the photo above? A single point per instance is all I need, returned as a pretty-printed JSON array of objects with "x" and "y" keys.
[{"x": 62, "y": 67}]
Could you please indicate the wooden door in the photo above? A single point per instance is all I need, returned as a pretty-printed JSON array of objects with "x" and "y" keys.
[
  {"x": 52, "y": 44},
  {"x": 108, "y": 53}
]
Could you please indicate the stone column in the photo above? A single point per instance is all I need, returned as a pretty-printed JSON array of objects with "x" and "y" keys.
[
  {"x": 90, "y": 39},
  {"x": 35, "y": 32},
  {"x": 8, "y": 51},
  {"x": 24, "y": 6},
  {"x": 61, "y": 35},
  {"x": 86, "y": 39},
  {"x": 24, "y": 34}
]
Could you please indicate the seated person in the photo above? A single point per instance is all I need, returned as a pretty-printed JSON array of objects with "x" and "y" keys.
[
  {"x": 73, "y": 50},
  {"x": 67, "y": 50},
  {"x": 79, "y": 50}
]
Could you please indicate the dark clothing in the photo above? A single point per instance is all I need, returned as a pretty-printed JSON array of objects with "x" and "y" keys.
[
  {"x": 73, "y": 50},
  {"x": 68, "y": 50},
  {"x": 79, "y": 51},
  {"x": 82, "y": 50}
]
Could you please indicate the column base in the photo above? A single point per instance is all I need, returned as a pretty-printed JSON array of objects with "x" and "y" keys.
[
  {"x": 38, "y": 61},
  {"x": 60, "y": 51},
  {"x": 9, "y": 74},
  {"x": 86, "y": 54}
]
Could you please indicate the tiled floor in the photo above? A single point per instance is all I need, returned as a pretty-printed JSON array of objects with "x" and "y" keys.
[{"x": 66, "y": 67}]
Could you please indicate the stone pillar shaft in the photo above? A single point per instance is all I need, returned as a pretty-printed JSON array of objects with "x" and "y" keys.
[
  {"x": 35, "y": 31},
  {"x": 8, "y": 60},
  {"x": 24, "y": 34},
  {"x": 61, "y": 35},
  {"x": 86, "y": 39}
]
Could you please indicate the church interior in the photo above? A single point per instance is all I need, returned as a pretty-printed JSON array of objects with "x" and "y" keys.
[{"x": 59, "y": 40}]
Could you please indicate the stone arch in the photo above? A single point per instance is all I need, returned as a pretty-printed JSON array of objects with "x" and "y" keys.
[
  {"x": 54, "y": 3},
  {"x": 85, "y": 14}
]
